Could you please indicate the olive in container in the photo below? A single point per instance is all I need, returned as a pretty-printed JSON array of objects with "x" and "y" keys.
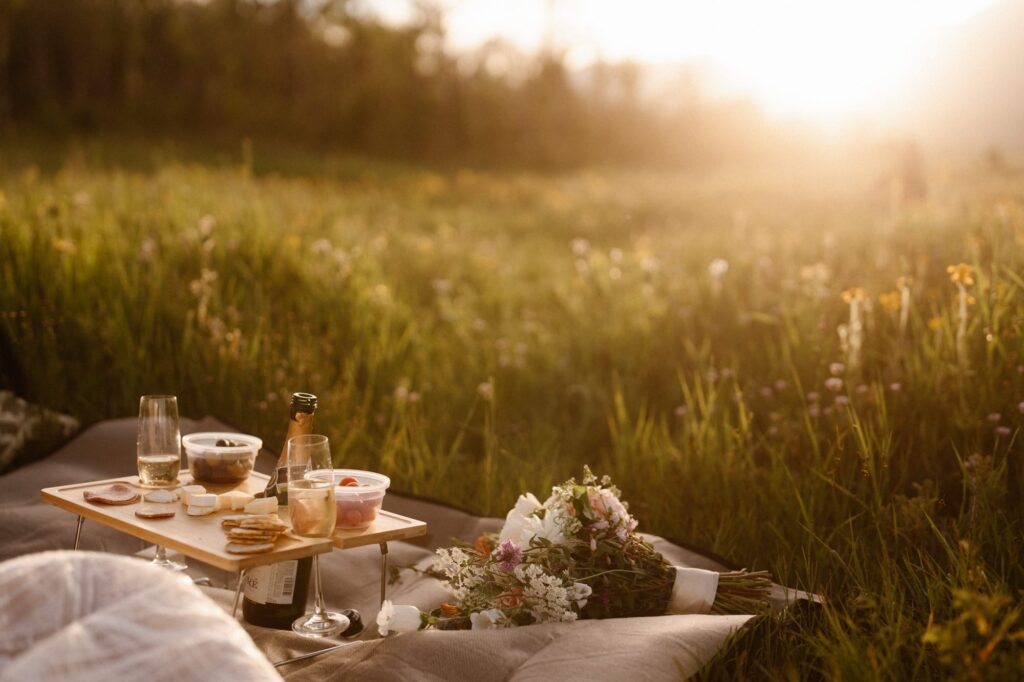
[
  {"x": 358, "y": 496},
  {"x": 215, "y": 457}
]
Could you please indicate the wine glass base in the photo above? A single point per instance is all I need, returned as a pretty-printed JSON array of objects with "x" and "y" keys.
[
  {"x": 325, "y": 625},
  {"x": 169, "y": 564},
  {"x": 160, "y": 486}
]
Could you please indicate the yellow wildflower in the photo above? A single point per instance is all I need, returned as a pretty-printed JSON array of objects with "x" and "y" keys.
[
  {"x": 855, "y": 293},
  {"x": 970, "y": 300},
  {"x": 292, "y": 242},
  {"x": 962, "y": 273},
  {"x": 63, "y": 246},
  {"x": 890, "y": 300},
  {"x": 935, "y": 323}
]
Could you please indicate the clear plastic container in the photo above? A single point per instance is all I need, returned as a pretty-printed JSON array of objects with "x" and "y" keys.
[
  {"x": 359, "y": 504},
  {"x": 220, "y": 464}
]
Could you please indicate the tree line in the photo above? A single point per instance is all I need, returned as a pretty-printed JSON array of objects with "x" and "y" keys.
[{"x": 325, "y": 75}]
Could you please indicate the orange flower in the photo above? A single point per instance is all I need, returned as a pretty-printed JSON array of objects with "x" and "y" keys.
[
  {"x": 483, "y": 545},
  {"x": 852, "y": 294},
  {"x": 512, "y": 599},
  {"x": 890, "y": 301},
  {"x": 449, "y": 610},
  {"x": 961, "y": 273}
]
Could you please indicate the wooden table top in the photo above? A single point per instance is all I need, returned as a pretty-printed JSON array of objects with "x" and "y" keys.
[{"x": 203, "y": 539}]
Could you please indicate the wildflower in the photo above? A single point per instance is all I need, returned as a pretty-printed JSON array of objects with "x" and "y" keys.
[
  {"x": 486, "y": 391},
  {"x": 400, "y": 618},
  {"x": 509, "y": 555},
  {"x": 995, "y": 417},
  {"x": 321, "y": 247},
  {"x": 854, "y": 294},
  {"x": 813, "y": 396},
  {"x": 682, "y": 410},
  {"x": 813, "y": 410},
  {"x": 401, "y": 394},
  {"x": 1003, "y": 431},
  {"x": 962, "y": 273},
  {"x": 890, "y": 300},
  {"x": 65, "y": 246},
  {"x": 491, "y": 619},
  {"x": 479, "y": 324},
  {"x": 482, "y": 545},
  {"x": 206, "y": 225},
  {"x": 895, "y": 387},
  {"x": 842, "y": 401},
  {"x": 580, "y": 593},
  {"x": 834, "y": 384},
  {"x": 580, "y": 246},
  {"x": 717, "y": 268},
  {"x": 615, "y": 255},
  {"x": 766, "y": 392},
  {"x": 862, "y": 389},
  {"x": 1020, "y": 407},
  {"x": 650, "y": 264},
  {"x": 781, "y": 384},
  {"x": 414, "y": 397},
  {"x": 614, "y": 274},
  {"x": 836, "y": 368},
  {"x": 935, "y": 323},
  {"x": 513, "y": 599}
]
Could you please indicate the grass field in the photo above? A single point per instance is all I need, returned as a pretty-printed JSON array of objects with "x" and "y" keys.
[{"x": 475, "y": 336}]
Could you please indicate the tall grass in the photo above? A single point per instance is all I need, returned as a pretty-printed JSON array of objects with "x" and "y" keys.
[{"x": 474, "y": 336}]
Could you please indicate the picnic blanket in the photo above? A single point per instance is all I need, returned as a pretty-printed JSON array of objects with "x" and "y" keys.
[{"x": 667, "y": 647}]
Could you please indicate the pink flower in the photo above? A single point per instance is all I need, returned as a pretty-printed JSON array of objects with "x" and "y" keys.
[
  {"x": 895, "y": 387},
  {"x": 836, "y": 368},
  {"x": 834, "y": 384},
  {"x": 1003, "y": 431},
  {"x": 509, "y": 555},
  {"x": 995, "y": 417}
]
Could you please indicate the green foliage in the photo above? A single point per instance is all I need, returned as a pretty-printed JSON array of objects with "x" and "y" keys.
[{"x": 474, "y": 336}]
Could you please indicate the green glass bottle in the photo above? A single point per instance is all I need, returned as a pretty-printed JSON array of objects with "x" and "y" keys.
[{"x": 275, "y": 595}]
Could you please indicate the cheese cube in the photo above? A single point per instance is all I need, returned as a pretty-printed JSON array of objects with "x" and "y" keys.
[
  {"x": 202, "y": 500},
  {"x": 234, "y": 500},
  {"x": 262, "y": 505},
  {"x": 200, "y": 511},
  {"x": 189, "y": 490}
]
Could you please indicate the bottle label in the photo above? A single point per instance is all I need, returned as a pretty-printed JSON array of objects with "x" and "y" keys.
[{"x": 271, "y": 584}]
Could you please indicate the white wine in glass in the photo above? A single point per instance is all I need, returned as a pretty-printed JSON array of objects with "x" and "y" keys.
[
  {"x": 313, "y": 514},
  {"x": 158, "y": 454}
]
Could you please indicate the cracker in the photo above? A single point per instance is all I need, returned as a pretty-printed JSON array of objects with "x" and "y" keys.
[
  {"x": 238, "y": 548},
  {"x": 154, "y": 512},
  {"x": 251, "y": 533},
  {"x": 259, "y": 524}
]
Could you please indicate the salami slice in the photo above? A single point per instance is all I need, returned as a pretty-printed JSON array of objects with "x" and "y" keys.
[{"x": 118, "y": 493}]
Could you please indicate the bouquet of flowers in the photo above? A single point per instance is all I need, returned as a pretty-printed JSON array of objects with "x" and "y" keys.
[{"x": 575, "y": 555}]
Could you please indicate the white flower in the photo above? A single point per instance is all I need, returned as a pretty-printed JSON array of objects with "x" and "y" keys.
[
  {"x": 580, "y": 593},
  {"x": 491, "y": 619},
  {"x": 400, "y": 618},
  {"x": 515, "y": 520},
  {"x": 718, "y": 267},
  {"x": 486, "y": 391}
]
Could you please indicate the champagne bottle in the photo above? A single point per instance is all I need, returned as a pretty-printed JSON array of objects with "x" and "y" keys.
[{"x": 275, "y": 595}]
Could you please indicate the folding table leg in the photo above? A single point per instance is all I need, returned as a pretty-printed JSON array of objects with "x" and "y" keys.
[
  {"x": 383, "y": 572},
  {"x": 78, "y": 530},
  {"x": 238, "y": 593}
]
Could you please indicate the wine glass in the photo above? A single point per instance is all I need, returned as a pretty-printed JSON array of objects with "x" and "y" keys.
[
  {"x": 313, "y": 514},
  {"x": 158, "y": 454}
]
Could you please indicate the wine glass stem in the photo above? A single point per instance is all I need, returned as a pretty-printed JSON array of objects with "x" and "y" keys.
[
  {"x": 161, "y": 554},
  {"x": 318, "y": 600}
]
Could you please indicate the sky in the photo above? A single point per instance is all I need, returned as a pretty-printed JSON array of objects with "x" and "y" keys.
[{"x": 817, "y": 60}]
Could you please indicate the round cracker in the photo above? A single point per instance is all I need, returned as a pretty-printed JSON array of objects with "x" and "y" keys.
[
  {"x": 152, "y": 512},
  {"x": 238, "y": 548}
]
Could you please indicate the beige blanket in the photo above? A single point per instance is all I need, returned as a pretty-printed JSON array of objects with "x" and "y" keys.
[{"x": 668, "y": 647}]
